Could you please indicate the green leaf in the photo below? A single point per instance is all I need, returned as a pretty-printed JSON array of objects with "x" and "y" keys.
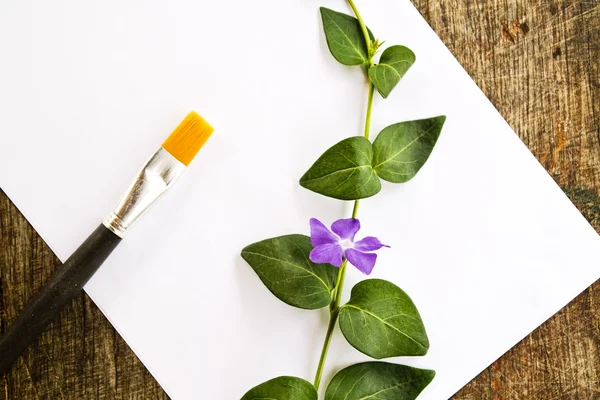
[
  {"x": 344, "y": 171},
  {"x": 381, "y": 321},
  {"x": 400, "y": 150},
  {"x": 378, "y": 381},
  {"x": 344, "y": 37},
  {"x": 282, "y": 264},
  {"x": 393, "y": 64},
  {"x": 282, "y": 388}
]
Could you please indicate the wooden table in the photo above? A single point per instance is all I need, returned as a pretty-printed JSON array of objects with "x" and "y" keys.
[{"x": 538, "y": 62}]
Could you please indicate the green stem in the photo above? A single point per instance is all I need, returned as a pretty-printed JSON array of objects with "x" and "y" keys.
[
  {"x": 365, "y": 31},
  {"x": 355, "y": 209},
  {"x": 334, "y": 308},
  {"x": 337, "y": 291},
  {"x": 333, "y": 315},
  {"x": 369, "y": 107}
]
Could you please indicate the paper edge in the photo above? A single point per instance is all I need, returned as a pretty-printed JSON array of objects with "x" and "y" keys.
[{"x": 497, "y": 112}]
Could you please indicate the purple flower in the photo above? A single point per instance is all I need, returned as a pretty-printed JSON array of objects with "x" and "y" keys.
[{"x": 332, "y": 247}]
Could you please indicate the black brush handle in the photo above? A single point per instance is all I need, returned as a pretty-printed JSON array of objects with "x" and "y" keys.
[{"x": 63, "y": 286}]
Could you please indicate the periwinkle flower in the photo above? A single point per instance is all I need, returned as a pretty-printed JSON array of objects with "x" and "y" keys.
[{"x": 332, "y": 246}]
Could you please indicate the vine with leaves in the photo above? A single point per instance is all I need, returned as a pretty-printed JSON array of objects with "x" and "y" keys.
[{"x": 380, "y": 320}]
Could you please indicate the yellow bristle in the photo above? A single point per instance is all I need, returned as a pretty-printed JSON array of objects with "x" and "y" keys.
[{"x": 188, "y": 138}]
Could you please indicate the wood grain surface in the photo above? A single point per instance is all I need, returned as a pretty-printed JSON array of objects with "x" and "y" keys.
[{"x": 538, "y": 62}]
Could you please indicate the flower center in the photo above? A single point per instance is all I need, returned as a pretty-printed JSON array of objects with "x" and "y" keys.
[{"x": 346, "y": 244}]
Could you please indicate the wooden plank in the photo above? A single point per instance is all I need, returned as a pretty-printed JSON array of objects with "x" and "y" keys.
[
  {"x": 538, "y": 62},
  {"x": 81, "y": 356}
]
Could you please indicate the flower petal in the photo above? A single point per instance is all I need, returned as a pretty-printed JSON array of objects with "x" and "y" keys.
[
  {"x": 346, "y": 228},
  {"x": 327, "y": 253},
  {"x": 364, "y": 262},
  {"x": 319, "y": 234},
  {"x": 369, "y": 243}
]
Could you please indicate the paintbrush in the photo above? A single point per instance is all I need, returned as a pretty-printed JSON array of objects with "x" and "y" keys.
[{"x": 159, "y": 174}]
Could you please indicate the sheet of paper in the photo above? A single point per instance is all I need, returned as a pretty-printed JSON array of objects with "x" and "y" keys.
[{"x": 483, "y": 240}]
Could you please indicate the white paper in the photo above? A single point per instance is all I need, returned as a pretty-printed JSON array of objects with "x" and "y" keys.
[{"x": 482, "y": 239}]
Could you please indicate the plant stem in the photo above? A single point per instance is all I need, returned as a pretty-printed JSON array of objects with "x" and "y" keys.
[
  {"x": 369, "y": 107},
  {"x": 334, "y": 307},
  {"x": 333, "y": 315},
  {"x": 366, "y": 134},
  {"x": 355, "y": 209},
  {"x": 362, "y": 25}
]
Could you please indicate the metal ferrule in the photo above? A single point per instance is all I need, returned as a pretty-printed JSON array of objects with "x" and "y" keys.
[{"x": 159, "y": 173}]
